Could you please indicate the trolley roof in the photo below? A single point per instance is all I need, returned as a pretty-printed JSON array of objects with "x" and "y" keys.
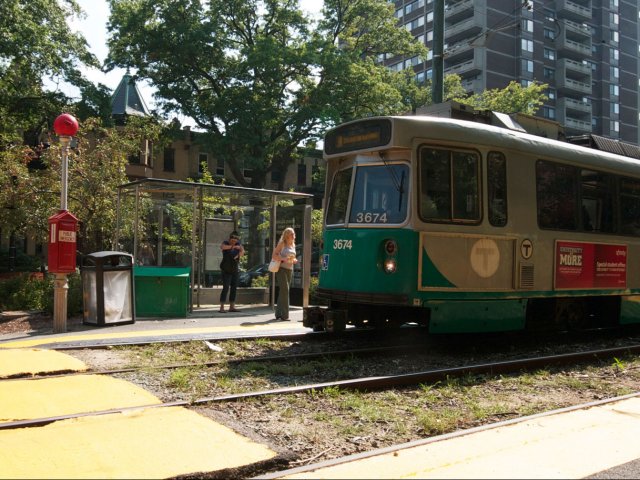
[{"x": 407, "y": 129}]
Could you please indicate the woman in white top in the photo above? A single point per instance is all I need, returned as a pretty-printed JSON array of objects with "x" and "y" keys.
[{"x": 285, "y": 251}]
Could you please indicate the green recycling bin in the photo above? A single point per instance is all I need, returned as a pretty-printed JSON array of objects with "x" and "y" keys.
[{"x": 161, "y": 291}]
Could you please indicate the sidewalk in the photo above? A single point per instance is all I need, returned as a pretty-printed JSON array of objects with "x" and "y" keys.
[{"x": 205, "y": 321}]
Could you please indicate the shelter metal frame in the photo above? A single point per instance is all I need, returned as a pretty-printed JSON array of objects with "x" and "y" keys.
[{"x": 137, "y": 199}]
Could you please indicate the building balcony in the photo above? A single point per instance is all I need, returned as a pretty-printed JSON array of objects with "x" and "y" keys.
[
  {"x": 578, "y": 12},
  {"x": 572, "y": 48},
  {"x": 576, "y": 31},
  {"x": 576, "y": 125},
  {"x": 574, "y": 108},
  {"x": 471, "y": 67},
  {"x": 473, "y": 85},
  {"x": 457, "y": 11},
  {"x": 565, "y": 67},
  {"x": 467, "y": 28},
  {"x": 458, "y": 52},
  {"x": 573, "y": 86}
]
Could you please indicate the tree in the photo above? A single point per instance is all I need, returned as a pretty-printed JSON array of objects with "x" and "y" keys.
[
  {"x": 96, "y": 169},
  {"x": 36, "y": 43},
  {"x": 259, "y": 76},
  {"x": 514, "y": 98}
]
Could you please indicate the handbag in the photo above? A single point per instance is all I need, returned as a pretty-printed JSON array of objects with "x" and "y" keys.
[{"x": 274, "y": 266}]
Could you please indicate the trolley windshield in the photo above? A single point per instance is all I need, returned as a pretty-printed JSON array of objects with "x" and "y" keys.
[{"x": 378, "y": 195}]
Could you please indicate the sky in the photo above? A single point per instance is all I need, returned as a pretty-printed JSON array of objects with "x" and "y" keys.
[{"x": 94, "y": 29}]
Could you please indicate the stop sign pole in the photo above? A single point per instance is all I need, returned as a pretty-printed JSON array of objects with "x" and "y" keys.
[{"x": 65, "y": 126}]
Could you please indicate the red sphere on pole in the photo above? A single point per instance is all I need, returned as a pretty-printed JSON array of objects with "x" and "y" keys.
[{"x": 65, "y": 125}]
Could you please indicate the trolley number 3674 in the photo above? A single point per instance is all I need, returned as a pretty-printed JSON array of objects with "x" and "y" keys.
[{"x": 342, "y": 244}]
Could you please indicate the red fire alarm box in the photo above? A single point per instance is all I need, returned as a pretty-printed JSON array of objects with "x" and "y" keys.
[{"x": 62, "y": 242}]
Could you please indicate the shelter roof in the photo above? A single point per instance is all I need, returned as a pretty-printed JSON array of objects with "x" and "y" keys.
[{"x": 178, "y": 190}]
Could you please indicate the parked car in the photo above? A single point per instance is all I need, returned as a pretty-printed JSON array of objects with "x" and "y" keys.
[{"x": 246, "y": 278}]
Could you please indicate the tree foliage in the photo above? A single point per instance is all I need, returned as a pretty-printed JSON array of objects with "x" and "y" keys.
[
  {"x": 96, "y": 167},
  {"x": 259, "y": 76},
  {"x": 36, "y": 43},
  {"x": 514, "y": 98}
]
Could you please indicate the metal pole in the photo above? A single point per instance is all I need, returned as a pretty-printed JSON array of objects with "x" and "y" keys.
[
  {"x": 61, "y": 282},
  {"x": 274, "y": 242},
  {"x": 437, "y": 94}
]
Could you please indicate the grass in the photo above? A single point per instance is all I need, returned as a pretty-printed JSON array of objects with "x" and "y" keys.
[{"x": 412, "y": 412}]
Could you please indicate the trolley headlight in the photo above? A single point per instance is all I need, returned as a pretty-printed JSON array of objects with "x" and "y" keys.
[
  {"x": 390, "y": 247},
  {"x": 390, "y": 265}
]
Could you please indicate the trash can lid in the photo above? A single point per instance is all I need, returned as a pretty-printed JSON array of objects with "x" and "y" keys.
[{"x": 108, "y": 253}]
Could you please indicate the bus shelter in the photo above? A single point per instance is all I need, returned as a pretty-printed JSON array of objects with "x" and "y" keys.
[{"x": 170, "y": 223}]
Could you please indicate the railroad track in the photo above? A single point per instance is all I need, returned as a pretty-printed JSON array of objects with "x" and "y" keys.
[
  {"x": 367, "y": 383},
  {"x": 381, "y": 350}
]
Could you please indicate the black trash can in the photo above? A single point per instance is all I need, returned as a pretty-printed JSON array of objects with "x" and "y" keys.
[{"x": 107, "y": 288}]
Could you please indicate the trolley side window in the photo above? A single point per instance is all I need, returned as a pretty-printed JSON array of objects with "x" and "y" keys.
[
  {"x": 556, "y": 191},
  {"x": 630, "y": 206},
  {"x": 497, "y": 188},
  {"x": 596, "y": 211},
  {"x": 449, "y": 187},
  {"x": 380, "y": 194},
  {"x": 339, "y": 198}
]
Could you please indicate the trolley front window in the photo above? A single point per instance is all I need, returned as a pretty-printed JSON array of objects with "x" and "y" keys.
[
  {"x": 380, "y": 194},
  {"x": 339, "y": 198}
]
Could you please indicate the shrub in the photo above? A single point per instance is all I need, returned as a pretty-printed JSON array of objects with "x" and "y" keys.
[
  {"x": 22, "y": 262},
  {"x": 26, "y": 292}
]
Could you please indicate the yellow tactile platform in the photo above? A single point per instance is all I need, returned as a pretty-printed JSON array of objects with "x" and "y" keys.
[
  {"x": 149, "y": 443},
  {"x": 573, "y": 444},
  {"x": 34, "y": 361},
  {"x": 52, "y": 339},
  {"x": 52, "y": 397}
]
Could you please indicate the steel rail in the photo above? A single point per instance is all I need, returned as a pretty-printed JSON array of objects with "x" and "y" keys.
[
  {"x": 384, "y": 350},
  {"x": 362, "y": 384}
]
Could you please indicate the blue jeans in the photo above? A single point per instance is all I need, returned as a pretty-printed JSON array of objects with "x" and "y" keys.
[
  {"x": 283, "y": 280},
  {"x": 229, "y": 285}
]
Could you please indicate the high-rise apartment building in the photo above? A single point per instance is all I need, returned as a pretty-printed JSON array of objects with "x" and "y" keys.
[{"x": 585, "y": 50}]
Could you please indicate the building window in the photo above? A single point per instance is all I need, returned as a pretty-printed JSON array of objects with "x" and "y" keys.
[
  {"x": 615, "y": 72},
  {"x": 527, "y": 66},
  {"x": 614, "y": 126},
  {"x": 220, "y": 167},
  {"x": 549, "y": 54},
  {"x": 551, "y": 93},
  {"x": 302, "y": 174},
  {"x": 275, "y": 176},
  {"x": 614, "y": 53},
  {"x": 527, "y": 25},
  {"x": 203, "y": 162},
  {"x": 550, "y": 34},
  {"x": 169, "y": 163},
  {"x": 549, "y": 112},
  {"x": 527, "y": 45},
  {"x": 549, "y": 73},
  {"x": 614, "y": 19},
  {"x": 615, "y": 36},
  {"x": 430, "y": 36},
  {"x": 615, "y": 108}
]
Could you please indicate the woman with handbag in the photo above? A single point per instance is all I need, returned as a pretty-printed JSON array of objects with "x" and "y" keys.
[
  {"x": 285, "y": 253},
  {"x": 232, "y": 250}
]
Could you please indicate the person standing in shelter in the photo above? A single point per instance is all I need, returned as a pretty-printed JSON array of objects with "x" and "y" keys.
[
  {"x": 285, "y": 252},
  {"x": 232, "y": 250}
]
